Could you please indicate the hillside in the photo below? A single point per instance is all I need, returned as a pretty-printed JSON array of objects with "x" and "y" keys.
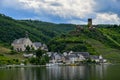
[
  {"x": 11, "y": 29},
  {"x": 101, "y": 40}
]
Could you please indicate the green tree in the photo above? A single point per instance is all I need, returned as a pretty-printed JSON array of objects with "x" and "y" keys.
[
  {"x": 28, "y": 48},
  {"x": 39, "y": 53}
]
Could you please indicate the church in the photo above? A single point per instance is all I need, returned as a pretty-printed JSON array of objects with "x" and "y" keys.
[{"x": 21, "y": 44}]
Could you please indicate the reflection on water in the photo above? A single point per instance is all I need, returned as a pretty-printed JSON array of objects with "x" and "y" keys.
[
  {"x": 88, "y": 72},
  {"x": 65, "y": 73}
]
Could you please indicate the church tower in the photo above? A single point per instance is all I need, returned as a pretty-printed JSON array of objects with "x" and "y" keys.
[{"x": 26, "y": 34}]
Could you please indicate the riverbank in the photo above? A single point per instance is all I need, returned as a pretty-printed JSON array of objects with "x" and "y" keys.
[
  {"x": 30, "y": 65},
  {"x": 18, "y": 66}
]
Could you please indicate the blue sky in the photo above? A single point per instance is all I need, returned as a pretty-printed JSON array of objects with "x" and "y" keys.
[{"x": 63, "y": 11}]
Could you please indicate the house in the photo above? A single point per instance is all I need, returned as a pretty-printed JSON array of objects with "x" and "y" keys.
[
  {"x": 41, "y": 46},
  {"x": 65, "y": 53},
  {"x": 37, "y": 45},
  {"x": 49, "y": 54},
  {"x": 73, "y": 57},
  {"x": 94, "y": 58},
  {"x": 44, "y": 47},
  {"x": 98, "y": 59},
  {"x": 55, "y": 57},
  {"x": 86, "y": 55},
  {"x": 22, "y": 43},
  {"x": 58, "y": 57}
]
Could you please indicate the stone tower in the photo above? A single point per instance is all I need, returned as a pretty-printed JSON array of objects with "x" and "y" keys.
[{"x": 90, "y": 22}]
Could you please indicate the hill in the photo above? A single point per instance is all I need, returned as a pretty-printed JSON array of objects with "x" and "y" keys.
[
  {"x": 102, "y": 40},
  {"x": 11, "y": 29}
]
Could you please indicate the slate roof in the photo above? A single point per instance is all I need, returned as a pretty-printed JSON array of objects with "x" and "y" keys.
[
  {"x": 37, "y": 44},
  {"x": 85, "y": 54},
  {"x": 55, "y": 55},
  {"x": 94, "y": 57},
  {"x": 20, "y": 41},
  {"x": 72, "y": 55}
]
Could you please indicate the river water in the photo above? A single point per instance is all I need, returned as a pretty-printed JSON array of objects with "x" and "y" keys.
[{"x": 86, "y": 72}]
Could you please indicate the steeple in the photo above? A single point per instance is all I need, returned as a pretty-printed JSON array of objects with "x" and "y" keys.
[{"x": 26, "y": 34}]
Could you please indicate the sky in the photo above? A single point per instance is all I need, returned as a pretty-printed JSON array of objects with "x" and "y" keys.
[{"x": 63, "y": 11}]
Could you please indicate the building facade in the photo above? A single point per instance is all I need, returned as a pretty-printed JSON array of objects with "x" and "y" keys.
[{"x": 22, "y": 43}]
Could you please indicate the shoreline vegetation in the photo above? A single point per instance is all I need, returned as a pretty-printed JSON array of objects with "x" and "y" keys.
[{"x": 62, "y": 65}]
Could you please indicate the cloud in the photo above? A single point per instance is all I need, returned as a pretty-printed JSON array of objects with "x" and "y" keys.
[
  {"x": 60, "y": 8},
  {"x": 70, "y": 11},
  {"x": 106, "y": 18}
]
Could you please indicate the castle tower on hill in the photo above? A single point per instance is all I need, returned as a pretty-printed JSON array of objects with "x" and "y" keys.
[{"x": 90, "y": 23}]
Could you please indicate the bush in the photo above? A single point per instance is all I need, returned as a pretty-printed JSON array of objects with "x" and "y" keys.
[{"x": 14, "y": 52}]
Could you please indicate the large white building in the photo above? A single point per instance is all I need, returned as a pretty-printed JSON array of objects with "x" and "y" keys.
[{"x": 22, "y": 43}]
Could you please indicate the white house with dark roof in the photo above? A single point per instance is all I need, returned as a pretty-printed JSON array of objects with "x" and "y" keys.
[
  {"x": 44, "y": 47},
  {"x": 37, "y": 45},
  {"x": 55, "y": 57},
  {"x": 86, "y": 55},
  {"x": 22, "y": 43},
  {"x": 41, "y": 46},
  {"x": 73, "y": 57},
  {"x": 98, "y": 59}
]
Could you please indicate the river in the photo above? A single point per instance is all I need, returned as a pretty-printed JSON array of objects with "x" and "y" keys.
[{"x": 86, "y": 72}]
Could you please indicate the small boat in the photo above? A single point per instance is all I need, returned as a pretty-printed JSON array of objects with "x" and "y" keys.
[{"x": 52, "y": 64}]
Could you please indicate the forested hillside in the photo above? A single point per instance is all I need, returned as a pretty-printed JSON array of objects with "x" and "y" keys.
[{"x": 11, "y": 29}]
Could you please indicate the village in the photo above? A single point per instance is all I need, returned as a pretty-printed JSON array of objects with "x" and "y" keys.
[
  {"x": 56, "y": 58},
  {"x": 73, "y": 58}
]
